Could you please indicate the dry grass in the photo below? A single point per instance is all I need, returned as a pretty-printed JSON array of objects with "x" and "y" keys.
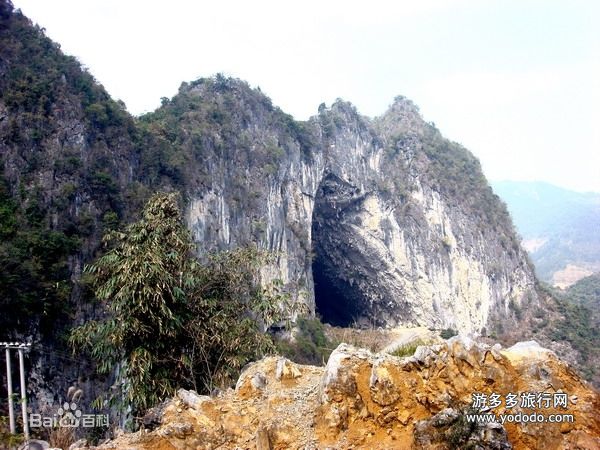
[
  {"x": 408, "y": 349},
  {"x": 61, "y": 437},
  {"x": 373, "y": 339},
  {"x": 7, "y": 440}
]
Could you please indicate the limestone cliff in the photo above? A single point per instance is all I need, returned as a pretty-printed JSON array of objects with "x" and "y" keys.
[
  {"x": 395, "y": 224},
  {"x": 406, "y": 230},
  {"x": 376, "y": 401},
  {"x": 377, "y": 221}
]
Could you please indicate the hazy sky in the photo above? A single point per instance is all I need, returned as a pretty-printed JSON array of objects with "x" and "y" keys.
[{"x": 515, "y": 81}]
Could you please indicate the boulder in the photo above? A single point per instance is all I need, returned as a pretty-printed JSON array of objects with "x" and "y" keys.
[{"x": 366, "y": 400}]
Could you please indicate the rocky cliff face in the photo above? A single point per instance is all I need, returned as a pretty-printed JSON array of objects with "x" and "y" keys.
[
  {"x": 375, "y": 221},
  {"x": 377, "y": 401},
  {"x": 67, "y": 153},
  {"x": 73, "y": 164},
  {"x": 393, "y": 223},
  {"x": 406, "y": 230}
]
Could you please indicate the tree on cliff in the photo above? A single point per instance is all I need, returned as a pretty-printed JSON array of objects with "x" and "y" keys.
[{"x": 172, "y": 322}]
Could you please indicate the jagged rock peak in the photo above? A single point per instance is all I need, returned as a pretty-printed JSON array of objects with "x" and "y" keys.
[
  {"x": 217, "y": 83},
  {"x": 403, "y": 106},
  {"x": 402, "y": 118},
  {"x": 345, "y": 107},
  {"x": 396, "y": 224}
]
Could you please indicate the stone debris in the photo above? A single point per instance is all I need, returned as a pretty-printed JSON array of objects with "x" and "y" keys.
[
  {"x": 362, "y": 400},
  {"x": 447, "y": 426},
  {"x": 191, "y": 399},
  {"x": 286, "y": 370}
]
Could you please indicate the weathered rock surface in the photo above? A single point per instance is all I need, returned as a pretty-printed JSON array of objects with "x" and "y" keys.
[
  {"x": 378, "y": 401},
  {"x": 450, "y": 426},
  {"x": 401, "y": 223},
  {"x": 404, "y": 232},
  {"x": 392, "y": 223}
]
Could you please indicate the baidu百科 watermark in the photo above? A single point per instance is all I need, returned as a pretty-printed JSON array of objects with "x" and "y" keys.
[{"x": 68, "y": 416}]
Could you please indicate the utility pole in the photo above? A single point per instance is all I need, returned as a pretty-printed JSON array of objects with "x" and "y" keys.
[
  {"x": 11, "y": 410},
  {"x": 20, "y": 347},
  {"x": 23, "y": 392}
]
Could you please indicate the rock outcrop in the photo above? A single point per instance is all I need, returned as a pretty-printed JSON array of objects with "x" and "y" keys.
[
  {"x": 378, "y": 401},
  {"x": 406, "y": 230},
  {"x": 378, "y": 221},
  {"x": 393, "y": 223}
]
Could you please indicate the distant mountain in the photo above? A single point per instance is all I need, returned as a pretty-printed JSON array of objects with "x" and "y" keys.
[{"x": 560, "y": 228}]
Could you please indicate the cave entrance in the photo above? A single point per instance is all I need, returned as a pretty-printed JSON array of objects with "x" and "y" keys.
[
  {"x": 338, "y": 299},
  {"x": 331, "y": 303}
]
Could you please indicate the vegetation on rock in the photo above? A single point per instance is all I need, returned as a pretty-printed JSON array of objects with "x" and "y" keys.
[
  {"x": 35, "y": 280},
  {"x": 310, "y": 345},
  {"x": 75, "y": 165},
  {"x": 170, "y": 321},
  {"x": 570, "y": 319}
]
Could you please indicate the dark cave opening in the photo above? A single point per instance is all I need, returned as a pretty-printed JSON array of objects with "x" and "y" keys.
[
  {"x": 331, "y": 303},
  {"x": 337, "y": 300}
]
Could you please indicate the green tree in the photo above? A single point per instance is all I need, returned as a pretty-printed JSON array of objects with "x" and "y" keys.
[
  {"x": 142, "y": 281},
  {"x": 172, "y": 322},
  {"x": 228, "y": 311}
]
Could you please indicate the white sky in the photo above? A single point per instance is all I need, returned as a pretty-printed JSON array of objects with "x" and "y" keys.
[{"x": 515, "y": 81}]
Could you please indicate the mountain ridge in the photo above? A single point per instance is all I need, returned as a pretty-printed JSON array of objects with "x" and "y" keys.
[
  {"x": 559, "y": 228},
  {"x": 104, "y": 163},
  {"x": 397, "y": 224}
]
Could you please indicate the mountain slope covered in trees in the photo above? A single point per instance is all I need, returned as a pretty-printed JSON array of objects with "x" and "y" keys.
[{"x": 560, "y": 228}]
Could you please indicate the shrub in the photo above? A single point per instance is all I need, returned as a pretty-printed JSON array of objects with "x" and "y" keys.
[
  {"x": 310, "y": 345},
  {"x": 448, "y": 333},
  {"x": 172, "y": 322},
  {"x": 408, "y": 349}
]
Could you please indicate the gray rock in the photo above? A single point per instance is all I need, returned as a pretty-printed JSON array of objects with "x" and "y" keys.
[
  {"x": 35, "y": 444},
  {"x": 80, "y": 444},
  {"x": 191, "y": 399},
  {"x": 449, "y": 427},
  {"x": 153, "y": 417},
  {"x": 259, "y": 381}
]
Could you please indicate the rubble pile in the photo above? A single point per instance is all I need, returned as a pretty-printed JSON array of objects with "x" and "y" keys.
[{"x": 379, "y": 401}]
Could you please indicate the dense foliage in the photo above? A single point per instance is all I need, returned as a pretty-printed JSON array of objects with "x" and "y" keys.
[
  {"x": 587, "y": 293},
  {"x": 34, "y": 280},
  {"x": 170, "y": 321},
  {"x": 310, "y": 345},
  {"x": 580, "y": 306},
  {"x": 55, "y": 199},
  {"x": 38, "y": 82},
  {"x": 211, "y": 119},
  {"x": 573, "y": 316}
]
